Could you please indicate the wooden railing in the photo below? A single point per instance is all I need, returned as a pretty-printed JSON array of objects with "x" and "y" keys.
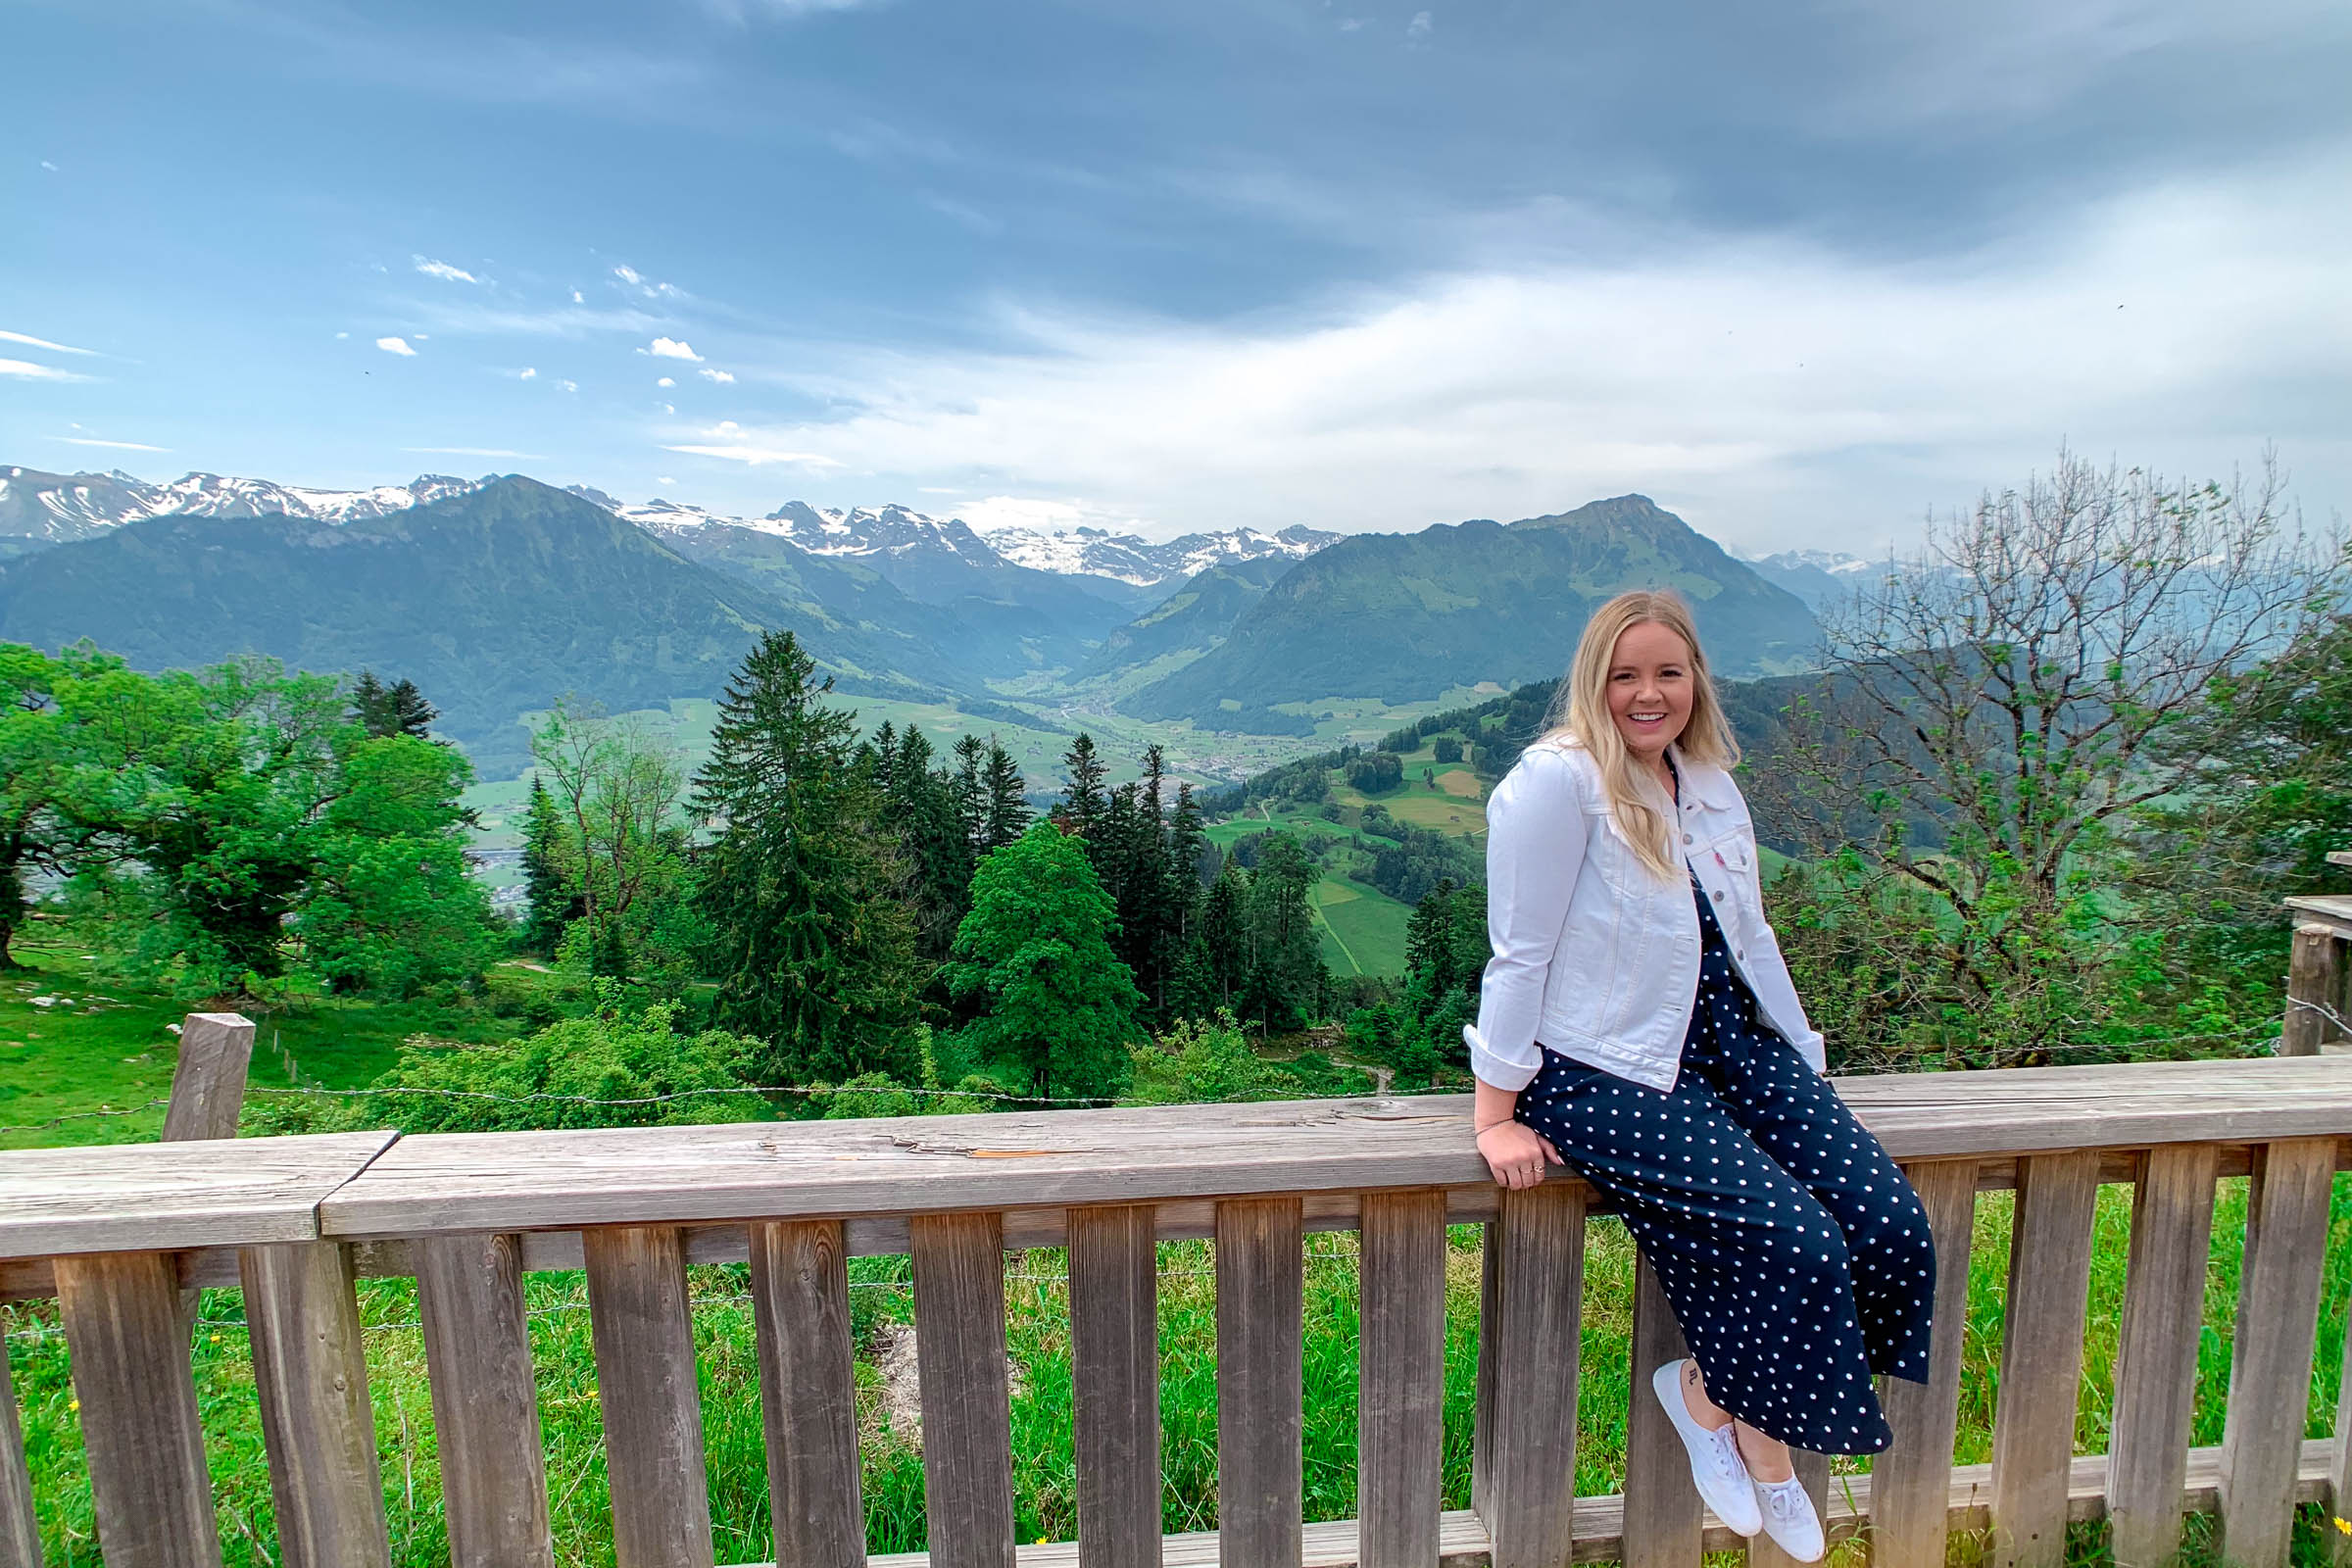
[{"x": 117, "y": 1232}]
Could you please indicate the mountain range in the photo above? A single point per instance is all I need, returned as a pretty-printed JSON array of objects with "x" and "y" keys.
[{"x": 497, "y": 594}]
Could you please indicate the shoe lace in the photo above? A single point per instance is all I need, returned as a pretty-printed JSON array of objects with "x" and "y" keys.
[
  {"x": 1782, "y": 1502},
  {"x": 1726, "y": 1454}
]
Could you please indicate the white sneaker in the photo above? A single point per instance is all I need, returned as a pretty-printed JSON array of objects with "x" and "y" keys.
[
  {"x": 1790, "y": 1519},
  {"x": 1716, "y": 1467}
]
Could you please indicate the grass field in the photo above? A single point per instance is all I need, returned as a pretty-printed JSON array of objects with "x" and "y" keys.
[{"x": 1363, "y": 928}]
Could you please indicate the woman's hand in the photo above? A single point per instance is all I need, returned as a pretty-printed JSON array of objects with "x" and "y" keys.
[{"x": 1515, "y": 1154}]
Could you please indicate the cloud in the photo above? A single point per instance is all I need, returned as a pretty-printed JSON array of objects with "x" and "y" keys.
[
  {"x": 340, "y": 336},
  {"x": 529, "y": 372},
  {"x": 663, "y": 479},
  {"x": 1774, "y": 390},
  {"x": 730, "y": 441},
  {"x": 443, "y": 271},
  {"x": 395, "y": 345},
  {"x": 25, "y": 369},
  {"x": 470, "y": 451},
  {"x": 1420, "y": 27},
  {"x": 46, "y": 164},
  {"x": 666, "y": 408},
  {"x": 647, "y": 287},
  {"x": 119, "y": 446},
  {"x": 667, "y": 348},
  {"x": 570, "y": 386},
  {"x": 722, "y": 377},
  {"x": 42, "y": 343},
  {"x": 665, "y": 381},
  {"x": 577, "y": 298}
]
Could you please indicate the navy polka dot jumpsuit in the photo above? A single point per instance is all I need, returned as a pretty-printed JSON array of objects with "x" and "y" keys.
[{"x": 1795, "y": 1256}]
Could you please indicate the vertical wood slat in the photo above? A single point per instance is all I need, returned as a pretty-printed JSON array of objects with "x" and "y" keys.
[
  {"x": 208, "y": 1081},
  {"x": 311, "y": 1375},
  {"x": 1401, "y": 1388},
  {"x": 1260, "y": 1382},
  {"x": 2156, "y": 1353},
  {"x": 2041, "y": 1357},
  {"x": 1813, "y": 1469},
  {"x": 807, "y": 1392},
  {"x": 1482, "y": 1416},
  {"x": 2270, "y": 1366},
  {"x": 129, "y": 1352},
  {"x": 967, "y": 1398},
  {"x": 2314, "y": 981},
  {"x": 1910, "y": 1484},
  {"x": 1664, "y": 1518},
  {"x": 477, "y": 1356},
  {"x": 2339, "y": 1470},
  {"x": 19, "y": 1535},
  {"x": 639, "y": 1319},
  {"x": 1539, "y": 1311},
  {"x": 1114, "y": 1352}
]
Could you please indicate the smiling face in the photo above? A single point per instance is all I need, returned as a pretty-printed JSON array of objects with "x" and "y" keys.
[{"x": 1649, "y": 689}]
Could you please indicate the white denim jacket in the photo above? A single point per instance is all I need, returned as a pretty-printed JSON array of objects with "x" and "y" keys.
[{"x": 1595, "y": 956}]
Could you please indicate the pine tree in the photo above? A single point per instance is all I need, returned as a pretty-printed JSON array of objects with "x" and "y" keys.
[
  {"x": 815, "y": 954},
  {"x": 1005, "y": 790},
  {"x": 1286, "y": 982},
  {"x": 925, "y": 808},
  {"x": 971, "y": 792},
  {"x": 549, "y": 901},
  {"x": 1224, "y": 940},
  {"x": 1082, "y": 804},
  {"x": 408, "y": 713},
  {"x": 369, "y": 707},
  {"x": 1036, "y": 955}
]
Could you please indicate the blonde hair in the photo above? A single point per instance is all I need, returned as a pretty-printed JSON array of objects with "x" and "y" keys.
[{"x": 1580, "y": 716}]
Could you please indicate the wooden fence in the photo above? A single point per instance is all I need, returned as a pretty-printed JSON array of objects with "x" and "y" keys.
[{"x": 117, "y": 1232}]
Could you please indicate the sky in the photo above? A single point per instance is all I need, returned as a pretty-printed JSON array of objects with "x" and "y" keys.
[{"x": 1802, "y": 272}]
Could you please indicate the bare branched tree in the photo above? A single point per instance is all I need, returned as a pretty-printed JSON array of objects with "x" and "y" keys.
[{"x": 1996, "y": 703}]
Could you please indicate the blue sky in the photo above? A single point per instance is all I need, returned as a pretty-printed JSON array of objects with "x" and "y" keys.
[{"x": 1800, "y": 271}]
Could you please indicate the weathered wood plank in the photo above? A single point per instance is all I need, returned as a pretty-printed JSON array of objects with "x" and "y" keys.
[
  {"x": 807, "y": 1390},
  {"x": 1530, "y": 1480},
  {"x": 1115, "y": 1355},
  {"x": 1813, "y": 1469},
  {"x": 208, "y": 1081},
  {"x": 311, "y": 1375},
  {"x": 967, "y": 1401},
  {"x": 116, "y": 1198},
  {"x": 640, "y": 1321},
  {"x": 1261, "y": 1381},
  {"x": 1910, "y": 1481},
  {"x": 130, "y": 1354},
  {"x": 2156, "y": 1359},
  {"x": 2041, "y": 1359},
  {"x": 2315, "y": 989},
  {"x": 1053, "y": 1159},
  {"x": 1464, "y": 1542},
  {"x": 1482, "y": 1410},
  {"x": 477, "y": 1354},
  {"x": 2270, "y": 1364},
  {"x": 1401, "y": 1388},
  {"x": 1663, "y": 1515},
  {"x": 20, "y": 1534}
]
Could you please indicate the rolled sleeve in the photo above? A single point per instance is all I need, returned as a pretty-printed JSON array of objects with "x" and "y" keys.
[{"x": 1535, "y": 849}]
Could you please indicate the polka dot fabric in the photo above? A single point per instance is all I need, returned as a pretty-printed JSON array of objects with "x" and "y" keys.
[{"x": 1795, "y": 1256}]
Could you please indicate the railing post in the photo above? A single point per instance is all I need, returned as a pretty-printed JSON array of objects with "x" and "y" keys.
[
  {"x": 639, "y": 1318},
  {"x": 208, "y": 1094},
  {"x": 967, "y": 1398},
  {"x": 129, "y": 1352},
  {"x": 2041, "y": 1357},
  {"x": 1114, "y": 1374},
  {"x": 478, "y": 1354},
  {"x": 1664, "y": 1520},
  {"x": 807, "y": 1389},
  {"x": 1260, "y": 1382},
  {"x": 1533, "y": 1336},
  {"x": 1400, "y": 1389},
  {"x": 1911, "y": 1482},
  {"x": 310, "y": 1373},
  {"x": 2314, "y": 989},
  {"x": 19, "y": 1535},
  {"x": 2270, "y": 1362},
  {"x": 2156, "y": 1356}
]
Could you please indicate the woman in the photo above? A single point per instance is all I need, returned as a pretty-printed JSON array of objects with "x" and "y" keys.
[{"x": 1637, "y": 1022}]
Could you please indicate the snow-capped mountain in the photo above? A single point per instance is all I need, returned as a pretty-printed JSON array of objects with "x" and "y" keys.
[
  {"x": 1131, "y": 559},
  {"x": 58, "y": 507}
]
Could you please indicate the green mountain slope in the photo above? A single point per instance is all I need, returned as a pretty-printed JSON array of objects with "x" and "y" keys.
[
  {"x": 1194, "y": 619},
  {"x": 495, "y": 603},
  {"x": 1409, "y": 615}
]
